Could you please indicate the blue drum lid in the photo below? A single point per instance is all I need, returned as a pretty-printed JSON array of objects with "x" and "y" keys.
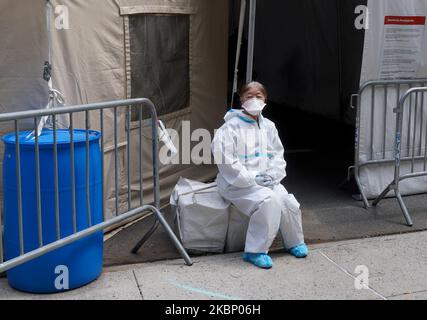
[{"x": 46, "y": 138}]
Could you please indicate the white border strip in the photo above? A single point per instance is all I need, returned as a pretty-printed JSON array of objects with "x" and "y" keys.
[{"x": 156, "y": 10}]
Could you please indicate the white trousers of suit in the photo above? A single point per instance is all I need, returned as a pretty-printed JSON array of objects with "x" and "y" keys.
[{"x": 270, "y": 210}]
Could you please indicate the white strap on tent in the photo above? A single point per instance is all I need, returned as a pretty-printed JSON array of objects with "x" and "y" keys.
[
  {"x": 49, "y": 10},
  {"x": 165, "y": 138},
  {"x": 239, "y": 47},
  {"x": 204, "y": 188}
]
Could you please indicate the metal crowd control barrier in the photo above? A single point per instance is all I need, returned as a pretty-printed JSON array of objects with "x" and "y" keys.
[
  {"x": 359, "y": 163},
  {"x": 412, "y": 147},
  {"x": 16, "y": 117}
]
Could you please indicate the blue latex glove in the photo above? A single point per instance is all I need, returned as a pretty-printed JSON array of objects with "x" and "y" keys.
[{"x": 264, "y": 180}]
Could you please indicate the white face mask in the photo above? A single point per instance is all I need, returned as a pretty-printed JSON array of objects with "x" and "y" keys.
[{"x": 254, "y": 106}]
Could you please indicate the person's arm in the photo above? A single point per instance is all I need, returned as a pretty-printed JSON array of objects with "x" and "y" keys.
[
  {"x": 277, "y": 164},
  {"x": 229, "y": 165}
]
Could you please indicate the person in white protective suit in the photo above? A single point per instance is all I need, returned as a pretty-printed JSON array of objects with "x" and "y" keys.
[{"x": 250, "y": 158}]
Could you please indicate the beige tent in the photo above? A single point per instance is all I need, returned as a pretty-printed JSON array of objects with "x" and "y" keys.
[{"x": 172, "y": 51}]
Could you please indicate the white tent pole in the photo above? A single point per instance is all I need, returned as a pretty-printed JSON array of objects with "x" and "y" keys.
[
  {"x": 239, "y": 47},
  {"x": 54, "y": 95},
  {"x": 48, "y": 66},
  {"x": 251, "y": 40},
  {"x": 48, "y": 27}
]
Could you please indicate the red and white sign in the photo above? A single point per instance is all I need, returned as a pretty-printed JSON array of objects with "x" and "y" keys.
[
  {"x": 402, "y": 46},
  {"x": 405, "y": 21}
]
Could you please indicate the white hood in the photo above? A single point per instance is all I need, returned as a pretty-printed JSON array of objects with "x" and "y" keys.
[{"x": 236, "y": 113}]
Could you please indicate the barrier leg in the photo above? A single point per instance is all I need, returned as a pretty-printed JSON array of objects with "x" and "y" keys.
[
  {"x": 146, "y": 237},
  {"x": 402, "y": 205},
  {"x": 383, "y": 194},
  {"x": 404, "y": 209},
  {"x": 362, "y": 194},
  {"x": 172, "y": 236}
]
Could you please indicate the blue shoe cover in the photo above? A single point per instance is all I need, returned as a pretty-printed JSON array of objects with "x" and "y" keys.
[
  {"x": 261, "y": 260},
  {"x": 300, "y": 251}
]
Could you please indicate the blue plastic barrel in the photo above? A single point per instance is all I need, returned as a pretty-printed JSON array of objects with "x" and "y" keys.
[{"x": 76, "y": 264}]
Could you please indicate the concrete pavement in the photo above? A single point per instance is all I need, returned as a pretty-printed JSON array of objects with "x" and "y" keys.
[{"x": 395, "y": 266}]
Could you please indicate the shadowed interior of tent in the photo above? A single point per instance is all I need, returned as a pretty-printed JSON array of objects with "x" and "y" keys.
[{"x": 310, "y": 69}]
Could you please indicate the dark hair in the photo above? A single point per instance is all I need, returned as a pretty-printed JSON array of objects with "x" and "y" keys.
[{"x": 245, "y": 88}]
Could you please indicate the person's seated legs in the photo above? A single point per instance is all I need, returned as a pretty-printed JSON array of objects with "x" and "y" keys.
[
  {"x": 263, "y": 208},
  {"x": 291, "y": 224},
  {"x": 263, "y": 227}
]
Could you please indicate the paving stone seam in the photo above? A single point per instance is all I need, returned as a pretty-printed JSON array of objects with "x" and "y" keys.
[
  {"x": 370, "y": 239},
  {"x": 138, "y": 285},
  {"x": 406, "y": 294},
  {"x": 350, "y": 275}
]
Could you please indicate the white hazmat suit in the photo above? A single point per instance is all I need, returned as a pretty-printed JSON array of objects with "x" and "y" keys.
[{"x": 244, "y": 148}]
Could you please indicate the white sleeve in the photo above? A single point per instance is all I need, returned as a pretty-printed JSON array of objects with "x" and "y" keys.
[
  {"x": 277, "y": 164},
  {"x": 225, "y": 154}
]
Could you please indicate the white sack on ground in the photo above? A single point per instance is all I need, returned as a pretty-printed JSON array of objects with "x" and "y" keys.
[{"x": 201, "y": 216}]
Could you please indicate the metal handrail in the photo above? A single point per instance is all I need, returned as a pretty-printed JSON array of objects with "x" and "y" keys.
[
  {"x": 131, "y": 212},
  {"x": 373, "y": 84},
  {"x": 398, "y": 177}
]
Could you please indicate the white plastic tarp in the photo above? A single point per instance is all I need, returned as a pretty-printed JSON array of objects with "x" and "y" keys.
[{"x": 395, "y": 48}]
